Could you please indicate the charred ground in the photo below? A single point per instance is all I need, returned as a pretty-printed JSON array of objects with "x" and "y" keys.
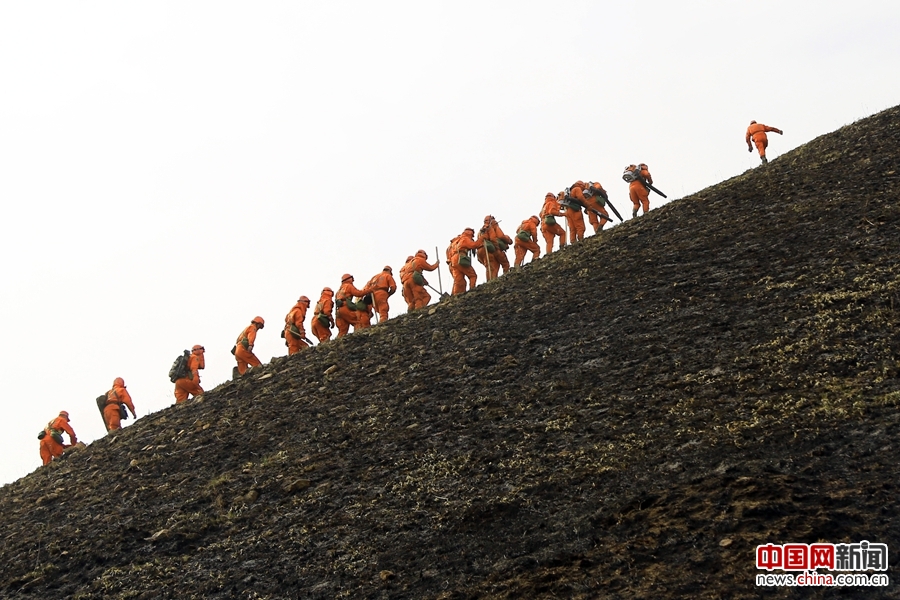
[{"x": 626, "y": 418}]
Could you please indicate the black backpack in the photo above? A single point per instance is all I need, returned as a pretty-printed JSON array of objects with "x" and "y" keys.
[{"x": 179, "y": 368}]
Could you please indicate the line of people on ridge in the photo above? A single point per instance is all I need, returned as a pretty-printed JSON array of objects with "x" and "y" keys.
[
  {"x": 356, "y": 308},
  {"x": 353, "y": 307}
]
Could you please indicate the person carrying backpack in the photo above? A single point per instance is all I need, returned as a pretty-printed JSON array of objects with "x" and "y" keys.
[
  {"x": 116, "y": 399},
  {"x": 461, "y": 260},
  {"x": 52, "y": 445},
  {"x": 416, "y": 282},
  {"x": 294, "y": 332},
  {"x": 349, "y": 312},
  {"x": 574, "y": 217},
  {"x": 189, "y": 385},
  {"x": 550, "y": 229},
  {"x": 323, "y": 320},
  {"x": 243, "y": 348},
  {"x": 493, "y": 254},
  {"x": 526, "y": 241},
  {"x": 637, "y": 188},
  {"x": 383, "y": 287}
]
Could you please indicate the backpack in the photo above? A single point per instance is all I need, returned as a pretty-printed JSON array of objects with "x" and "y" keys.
[{"x": 179, "y": 368}]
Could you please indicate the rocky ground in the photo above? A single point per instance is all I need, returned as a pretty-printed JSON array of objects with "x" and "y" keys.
[{"x": 585, "y": 427}]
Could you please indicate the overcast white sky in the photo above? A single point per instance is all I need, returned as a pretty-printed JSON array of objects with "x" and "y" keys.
[{"x": 169, "y": 170}]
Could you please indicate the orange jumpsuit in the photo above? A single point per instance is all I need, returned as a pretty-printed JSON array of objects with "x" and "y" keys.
[
  {"x": 293, "y": 326},
  {"x": 493, "y": 261},
  {"x": 405, "y": 276},
  {"x": 243, "y": 351},
  {"x": 575, "y": 219},
  {"x": 347, "y": 316},
  {"x": 418, "y": 293},
  {"x": 522, "y": 247},
  {"x": 50, "y": 448},
  {"x": 383, "y": 287},
  {"x": 323, "y": 320},
  {"x": 638, "y": 192},
  {"x": 465, "y": 242},
  {"x": 190, "y": 385},
  {"x": 451, "y": 250},
  {"x": 115, "y": 398},
  {"x": 552, "y": 208},
  {"x": 757, "y": 132},
  {"x": 596, "y": 203}
]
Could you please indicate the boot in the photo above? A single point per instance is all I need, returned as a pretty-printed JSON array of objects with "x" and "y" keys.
[
  {"x": 765, "y": 160},
  {"x": 235, "y": 373},
  {"x": 634, "y": 214}
]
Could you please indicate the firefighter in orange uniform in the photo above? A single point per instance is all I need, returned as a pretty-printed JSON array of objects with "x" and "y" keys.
[
  {"x": 574, "y": 217},
  {"x": 526, "y": 240},
  {"x": 294, "y": 332},
  {"x": 383, "y": 287},
  {"x": 595, "y": 198},
  {"x": 347, "y": 315},
  {"x": 116, "y": 398},
  {"x": 757, "y": 133},
  {"x": 52, "y": 445},
  {"x": 493, "y": 236},
  {"x": 550, "y": 229},
  {"x": 190, "y": 384},
  {"x": 461, "y": 260},
  {"x": 451, "y": 250},
  {"x": 405, "y": 276},
  {"x": 637, "y": 191},
  {"x": 323, "y": 320},
  {"x": 243, "y": 347},
  {"x": 416, "y": 290}
]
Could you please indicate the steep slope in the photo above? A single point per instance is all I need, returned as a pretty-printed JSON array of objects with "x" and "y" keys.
[{"x": 629, "y": 417}]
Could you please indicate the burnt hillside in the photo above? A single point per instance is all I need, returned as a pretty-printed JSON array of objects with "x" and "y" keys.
[{"x": 585, "y": 427}]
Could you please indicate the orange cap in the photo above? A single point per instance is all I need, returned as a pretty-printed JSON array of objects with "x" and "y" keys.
[
  {"x": 258, "y": 321},
  {"x": 327, "y": 290},
  {"x": 63, "y": 413},
  {"x": 303, "y": 299},
  {"x": 346, "y": 277}
]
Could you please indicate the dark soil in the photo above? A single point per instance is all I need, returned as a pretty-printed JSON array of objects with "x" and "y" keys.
[{"x": 627, "y": 418}]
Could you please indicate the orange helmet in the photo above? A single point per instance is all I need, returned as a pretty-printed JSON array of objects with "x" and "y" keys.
[
  {"x": 489, "y": 218},
  {"x": 328, "y": 290},
  {"x": 118, "y": 382},
  {"x": 535, "y": 219},
  {"x": 303, "y": 299},
  {"x": 578, "y": 183},
  {"x": 259, "y": 321},
  {"x": 198, "y": 347},
  {"x": 64, "y": 414},
  {"x": 422, "y": 253},
  {"x": 346, "y": 277},
  {"x": 753, "y": 122},
  {"x": 550, "y": 195},
  {"x": 469, "y": 229},
  {"x": 388, "y": 269},
  {"x": 409, "y": 258}
]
